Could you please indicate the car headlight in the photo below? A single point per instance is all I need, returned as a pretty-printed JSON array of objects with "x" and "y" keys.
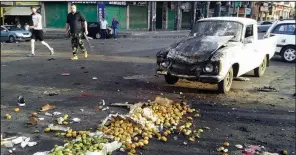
[
  {"x": 209, "y": 68},
  {"x": 165, "y": 64}
]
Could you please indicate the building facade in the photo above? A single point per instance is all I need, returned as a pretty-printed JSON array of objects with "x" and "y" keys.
[{"x": 138, "y": 15}]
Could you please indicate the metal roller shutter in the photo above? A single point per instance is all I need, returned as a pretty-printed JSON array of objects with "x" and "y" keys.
[
  {"x": 56, "y": 14},
  {"x": 138, "y": 17},
  {"x": 171, "y": 19},
  {"x": 89, "y": 11},
  {"x": 119, "y": 12}
]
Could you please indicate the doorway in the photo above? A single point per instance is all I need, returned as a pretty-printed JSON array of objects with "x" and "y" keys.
[{"x": 159, "y": 9}]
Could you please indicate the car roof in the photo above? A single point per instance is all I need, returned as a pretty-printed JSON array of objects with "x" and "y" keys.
[
  {"x": 244, "y": 21},
  {"x": 286, "y": 21}
]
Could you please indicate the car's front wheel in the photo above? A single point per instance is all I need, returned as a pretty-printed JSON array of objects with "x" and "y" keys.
[
  {"x": 225, "y": 85},
  {"x": 259, "y": 71},
  {"x": 98, "y": 35},
  {"x": 11, "y": 39},
  {"x": 289, "y": 54},
  {"x": 171, "y": 79}
]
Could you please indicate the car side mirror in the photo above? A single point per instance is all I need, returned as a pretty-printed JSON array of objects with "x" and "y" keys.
[{"x": 4, "y": 30}]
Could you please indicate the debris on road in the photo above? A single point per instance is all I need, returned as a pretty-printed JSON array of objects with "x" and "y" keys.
[
  {"x": 76, "y": 120},
  {"x": 8, "y": 117},
  {"x": 134, "y": 77},
  {"x": 21, "y": 101},
  {"x": 56, "y": 113},
  {"x": 24, "y": 141},
  {"x": 268, "y": 153},
  {"x": 32, "y": 121},
  {"x": 267, "y": 89},
  {"x": 53, "y": 94},
  {"x": 238, "y": 146},
  {"x": 47, "y": 107},
  {"x": 57, "y": 127},
  {"x": 65, "y": 74},
  {"x": 158, "y": 118},
  {"x": 94, "y": 78},
  {"x": 16, "y": 109},
  {"x": 241, "y": 79},
  {"x": 50, "y": 59},
  {"x": 82, "y": 110},
  {"x": 48, "y": 114}
]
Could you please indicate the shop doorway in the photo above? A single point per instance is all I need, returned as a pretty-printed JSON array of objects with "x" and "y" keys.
[{"x": 159, "y": 9}]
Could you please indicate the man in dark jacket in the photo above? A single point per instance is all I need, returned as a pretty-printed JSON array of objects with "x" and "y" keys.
[{"x": 76, "y": 22}]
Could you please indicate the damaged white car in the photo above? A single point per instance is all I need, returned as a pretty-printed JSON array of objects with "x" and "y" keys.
[{"x": 217, "y": 50}]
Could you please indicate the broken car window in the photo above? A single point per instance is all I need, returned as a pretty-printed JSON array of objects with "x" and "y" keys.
[{"x": 217, "y": 28}]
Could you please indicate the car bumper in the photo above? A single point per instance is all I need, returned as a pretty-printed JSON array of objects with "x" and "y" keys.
[
  {"x": 200, "y": 78},
  {"x": 22, "y": 38}
]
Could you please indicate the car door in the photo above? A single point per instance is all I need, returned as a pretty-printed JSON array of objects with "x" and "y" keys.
[
  {"x": 4, "y": 34},
  {"x": 286, "y": 34},
  {"x": 251, "y": 58}
]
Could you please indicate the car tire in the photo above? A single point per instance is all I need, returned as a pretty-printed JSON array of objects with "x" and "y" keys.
[
  {"x": 224, "y": 86},
  {"x": 11, "y": 39},
  {"x": 259, "y": 71},
  {"x": 171, "y": 79},
  {"x": 288, "y": 54},
  {"x": 98, "y": 35}
]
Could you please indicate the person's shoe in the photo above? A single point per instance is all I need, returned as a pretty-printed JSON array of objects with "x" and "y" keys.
[
  {"x": 51, "y": 51},
  {"x": 75, "y": 57},
  {"x": 31, "y": 55},
  {"x": 85, "y": 54}
]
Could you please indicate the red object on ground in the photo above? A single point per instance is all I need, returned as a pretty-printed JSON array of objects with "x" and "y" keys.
[{"x": 86, "y": 95}]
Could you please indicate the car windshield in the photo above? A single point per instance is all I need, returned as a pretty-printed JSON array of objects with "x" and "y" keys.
[
  {"x": 14, "y": 28},
  {"x": 217, "y": 28}
]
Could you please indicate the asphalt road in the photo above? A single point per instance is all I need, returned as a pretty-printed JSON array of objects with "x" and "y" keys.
[{"x": 244, "y": 116}]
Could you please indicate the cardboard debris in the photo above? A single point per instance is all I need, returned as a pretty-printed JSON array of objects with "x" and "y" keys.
[
  {"x": 58, "y": 127},
  {"x": 32, "y": 121},
  {"x": 47, "y": 107}
]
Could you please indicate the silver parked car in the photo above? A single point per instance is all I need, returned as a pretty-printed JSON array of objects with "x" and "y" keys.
[
  {"x": 264, "y": 25},
  {"x": 12, "y": 33}
]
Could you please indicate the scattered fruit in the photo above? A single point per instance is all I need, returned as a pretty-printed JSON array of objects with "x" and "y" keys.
[
  {"x": 226, "y": 144},
  {"x": 8, "y": 116},
  {"x": 16, "y": 109}
]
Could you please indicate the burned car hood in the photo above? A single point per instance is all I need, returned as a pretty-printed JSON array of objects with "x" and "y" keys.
[{"x": 196, "y": 49}]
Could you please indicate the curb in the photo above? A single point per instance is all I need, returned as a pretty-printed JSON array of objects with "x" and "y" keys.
[{"x": 123, "y": 36}]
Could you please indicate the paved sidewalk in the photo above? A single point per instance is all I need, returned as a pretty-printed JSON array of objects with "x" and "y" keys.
[{"x": 60, "y": 33}]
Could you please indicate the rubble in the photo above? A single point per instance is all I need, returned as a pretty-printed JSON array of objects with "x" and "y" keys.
[
  {"x": 267, "y": 89},
  {"x": 145, "y": 120},
  {"x": 47, "y": 107}
]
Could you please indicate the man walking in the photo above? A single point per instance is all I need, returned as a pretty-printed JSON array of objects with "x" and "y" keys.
[
  {"x": 115, "y": 24},
  {"x": 104, "y": 25},
  {"x": 37, "y": 32},
  {"x": 76, "y": 21}
]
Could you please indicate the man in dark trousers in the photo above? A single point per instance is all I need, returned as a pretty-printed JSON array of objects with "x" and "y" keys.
[
  {"x": 76, "y": 22},
  {"x": 115, "y": 24}
]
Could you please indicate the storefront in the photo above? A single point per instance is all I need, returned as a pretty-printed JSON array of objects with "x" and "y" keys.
[
  {"x": 186, "y": 15},
  {"x": 18, "y": 12},
  {"x": 117, "y": 10},
  {"x": 138, "y": 15},
  {"x": 55, "y": 14}
]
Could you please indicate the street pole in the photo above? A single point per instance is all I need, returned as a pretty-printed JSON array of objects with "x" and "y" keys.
[
  {"x": 177, "y": 16},
  {"x": 193, "y": 11},
  {"x": 207, "y": 8},
  {"x": 218, "y": 9},
  {"x": 227, "y": 9}
]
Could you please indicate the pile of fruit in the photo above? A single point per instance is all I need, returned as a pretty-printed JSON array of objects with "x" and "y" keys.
[
  {"x": 133, "y": 131},
  {"x": 80, "y": 147},
  {"x": 157, "y": 119}
]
